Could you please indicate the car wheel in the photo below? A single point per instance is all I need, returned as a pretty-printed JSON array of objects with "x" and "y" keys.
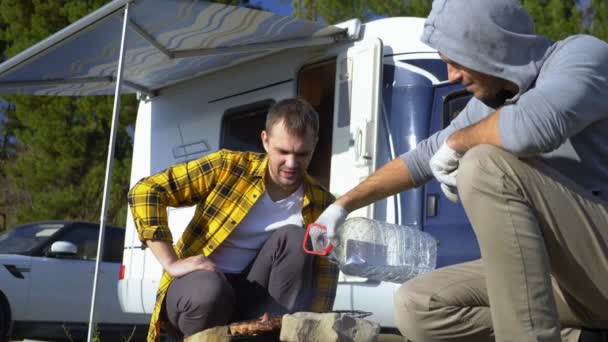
[{"x": 4, "y": 320}]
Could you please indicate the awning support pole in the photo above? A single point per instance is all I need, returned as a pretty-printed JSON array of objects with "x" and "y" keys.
[{"x": 108, "y": 178}]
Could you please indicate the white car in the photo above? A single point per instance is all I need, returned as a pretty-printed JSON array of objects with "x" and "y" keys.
[{"x": 46, "y": 279}]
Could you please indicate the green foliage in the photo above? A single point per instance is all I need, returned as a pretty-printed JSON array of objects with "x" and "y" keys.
[
  {"x": 334, "y": 11},
  {"x": 8, "y": 152},
  {"x": 60, "y": 171},
  {"x": 59, "y": 161},
  {"x": 556, "y": 19},
  {"x": 599, "y": 23},
  {"x": 395, "y": 8}
]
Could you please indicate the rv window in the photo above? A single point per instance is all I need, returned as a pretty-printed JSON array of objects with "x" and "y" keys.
[
  {"x": 453, "y": 104},
  {"x": 242, "y": 126},
  {"x": 437, "y": 67}
]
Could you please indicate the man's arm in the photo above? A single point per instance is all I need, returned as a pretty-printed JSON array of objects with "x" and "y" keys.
[
  {"x": 484, "y": 131},
  {"x": 165, "y": 254},
  {"x": 390, "y": 179},
  {"x": 396, "y": 176},
  {"x": 179, "y": 185}
]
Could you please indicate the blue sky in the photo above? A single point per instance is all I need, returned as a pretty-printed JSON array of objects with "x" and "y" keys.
[{"x": 276, "y": 6}]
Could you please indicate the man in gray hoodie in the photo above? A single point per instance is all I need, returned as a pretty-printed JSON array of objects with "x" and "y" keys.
[{"x": 528, "y": 158}]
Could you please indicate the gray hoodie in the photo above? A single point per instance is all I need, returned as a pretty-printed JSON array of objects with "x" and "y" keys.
[{"x": 560, "y": 114}]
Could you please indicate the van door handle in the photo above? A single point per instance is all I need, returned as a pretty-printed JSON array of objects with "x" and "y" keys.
[
  {"x": 431, "y": 205},
  {"x": 362, "y": 158}
]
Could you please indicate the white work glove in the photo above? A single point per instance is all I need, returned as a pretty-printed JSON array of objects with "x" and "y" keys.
[
  {"x": 451, "y": 192},
  {"x": 444, "y": 165},
  {"x": 331, "y": 218}
]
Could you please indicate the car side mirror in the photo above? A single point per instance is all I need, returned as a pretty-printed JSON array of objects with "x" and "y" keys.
[{"x": 63, "y": 249}]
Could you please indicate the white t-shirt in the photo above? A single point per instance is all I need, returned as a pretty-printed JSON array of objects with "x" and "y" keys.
[{"x": 242, "y": 245}]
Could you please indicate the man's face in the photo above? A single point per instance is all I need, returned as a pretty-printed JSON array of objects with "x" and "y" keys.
[
  {"x": 482, "y": 86},
  {"x": 288, "y": 155}
]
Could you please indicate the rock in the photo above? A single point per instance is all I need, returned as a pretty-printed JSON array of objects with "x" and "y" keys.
[
  {"x": 390, "y": 338},
  {"x": 327, "y": 327},
  {"x": 217, "y": 334}
]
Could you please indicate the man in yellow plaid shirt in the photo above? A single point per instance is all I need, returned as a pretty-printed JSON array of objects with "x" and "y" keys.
[{"x": 241, "y": 254}]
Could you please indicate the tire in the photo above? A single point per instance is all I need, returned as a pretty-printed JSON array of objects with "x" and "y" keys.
[{"x": 4, "y": 319}]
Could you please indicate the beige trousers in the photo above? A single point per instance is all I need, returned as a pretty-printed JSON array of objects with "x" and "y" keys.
[{"x": 544, "y": 266}]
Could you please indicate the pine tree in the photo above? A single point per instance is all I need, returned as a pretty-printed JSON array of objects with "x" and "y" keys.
[
  {"x": 599, "y": 23},
  {"x": 60, "y": 158},
  {"x": 556, "y": 19},
  {"x": 335, "y": 11},
  {"x": 58, "y": 145}
]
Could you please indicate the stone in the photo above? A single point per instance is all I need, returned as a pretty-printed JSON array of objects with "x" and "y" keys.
[
  {"x": 327, "y": 327},
  {"x": 217, "y": 334},
  {"x": 390, "y": 338}
]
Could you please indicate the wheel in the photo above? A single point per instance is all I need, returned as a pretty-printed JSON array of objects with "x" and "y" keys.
[{"x": 4, "y": 320}]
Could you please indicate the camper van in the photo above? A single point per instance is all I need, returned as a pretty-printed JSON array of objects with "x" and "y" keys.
[
  {"x": 377, "y": 96},
  {"x": 206, "y": 75}
]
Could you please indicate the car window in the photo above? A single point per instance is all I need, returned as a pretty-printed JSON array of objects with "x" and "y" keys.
[
  {"x": 24, "y": 238},
  {"x": 85, "y": 238},
  {"x": 114, "y": 245},
  {"x": 453, "y": 104}
]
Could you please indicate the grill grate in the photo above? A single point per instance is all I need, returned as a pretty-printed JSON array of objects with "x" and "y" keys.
[{"x": 353, "y": 313}]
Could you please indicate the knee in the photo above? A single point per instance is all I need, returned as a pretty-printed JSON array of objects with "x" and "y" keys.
[
  {"x": 289, "y": 239},
  {"x": 410, "y": 304},
  {"x": 481, "y": 167},
  {"x": 292, "y": 234},
  {"x": 208, "y": 292}
]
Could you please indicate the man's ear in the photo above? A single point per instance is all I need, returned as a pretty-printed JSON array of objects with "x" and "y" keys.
[{"x": 264, "y": 137}]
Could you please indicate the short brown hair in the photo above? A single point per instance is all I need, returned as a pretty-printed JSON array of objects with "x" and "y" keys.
[{"x": 297, "y": 114}]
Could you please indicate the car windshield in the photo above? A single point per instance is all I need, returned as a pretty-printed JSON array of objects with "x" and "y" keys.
[{"x": 24, "y": 238}]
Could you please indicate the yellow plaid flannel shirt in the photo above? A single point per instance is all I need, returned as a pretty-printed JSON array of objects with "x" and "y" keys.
[{"x": 224, "y": 185}]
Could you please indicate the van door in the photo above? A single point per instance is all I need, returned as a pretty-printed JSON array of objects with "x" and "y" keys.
[
  {"x": 356, "y": 108},
  {"x": 355, "y": 132},
  {"x": 444, "y": 219}
]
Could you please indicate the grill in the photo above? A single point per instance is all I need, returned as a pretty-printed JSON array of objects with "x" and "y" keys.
[{"x": 274, "y": 335}]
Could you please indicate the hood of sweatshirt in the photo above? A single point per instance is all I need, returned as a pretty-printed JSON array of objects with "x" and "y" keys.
[{"x": 494, "y": 37}]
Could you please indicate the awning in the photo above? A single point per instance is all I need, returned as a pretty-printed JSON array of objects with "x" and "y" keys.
[{"x": 167, "y": 41}]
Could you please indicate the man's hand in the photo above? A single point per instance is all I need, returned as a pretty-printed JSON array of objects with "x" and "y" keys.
[
  {"x": 450, "y": 192},
  {"x": 444, "y": 165},
  {"x": 318, "y": 238},
  {"x": 331, "y": 218},
  {"x": 181, "y": 267}
]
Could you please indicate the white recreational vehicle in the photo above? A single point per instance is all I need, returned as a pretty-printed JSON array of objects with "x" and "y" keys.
[{"x": 206, "y": 75}]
